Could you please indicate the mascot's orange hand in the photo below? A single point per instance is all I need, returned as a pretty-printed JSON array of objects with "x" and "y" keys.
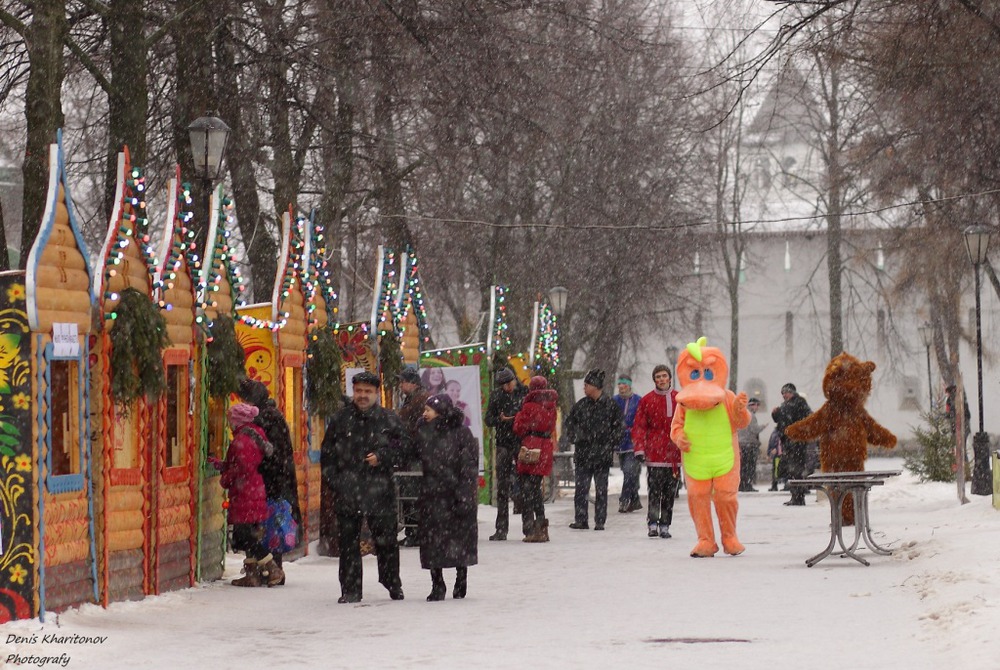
[
  {"x": 682, "y": 442},
  {"x": 740, "y": 403}
]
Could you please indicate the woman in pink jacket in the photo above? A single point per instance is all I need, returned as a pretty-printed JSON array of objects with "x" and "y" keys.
[
  {"x": 247, "y": 496},
  {"x": 535, "y": 424}
]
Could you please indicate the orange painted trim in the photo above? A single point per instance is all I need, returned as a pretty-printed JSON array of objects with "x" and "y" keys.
[{"x": 125, "y": 476}]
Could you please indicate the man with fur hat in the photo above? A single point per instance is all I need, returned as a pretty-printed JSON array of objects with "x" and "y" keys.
[
  {"x": 504, "y": 404},
  {"x": 363, "y": 443},
  {"x": 595, "y": 426},
  {"x": 414, "y": 399}
]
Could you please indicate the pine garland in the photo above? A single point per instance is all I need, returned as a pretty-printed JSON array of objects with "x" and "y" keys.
[
  {"x": 323, "y": 372},
  {"x": 225, "y": 358},
  {"x": 138, "y": 338},
  {"x": 390, "y": 359}
]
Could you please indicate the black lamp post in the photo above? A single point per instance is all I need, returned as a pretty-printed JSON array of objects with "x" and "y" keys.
[
  {"x": 558, "y": 296},
  {"x": 927, "y": 335},
  {"x": 672, "y": 353},
  {"x": 977, "y": 242},
  {"x": 209, "y": 136}
]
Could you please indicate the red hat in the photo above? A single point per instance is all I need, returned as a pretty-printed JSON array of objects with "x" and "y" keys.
[{"x": 537, "y": 383}]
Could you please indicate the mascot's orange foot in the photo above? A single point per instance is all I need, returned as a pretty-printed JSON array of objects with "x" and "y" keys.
[
  {"x": 733, "y": 547},
  {"x": 704, "y": 550}
]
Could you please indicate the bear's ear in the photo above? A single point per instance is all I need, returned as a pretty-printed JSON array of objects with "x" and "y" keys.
[{"x": 869, "y": 367}]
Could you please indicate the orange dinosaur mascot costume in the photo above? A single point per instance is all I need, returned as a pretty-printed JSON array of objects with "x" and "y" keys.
[
  {"x": 704, "y": 427},
  {"x": 842, "y": 424}
]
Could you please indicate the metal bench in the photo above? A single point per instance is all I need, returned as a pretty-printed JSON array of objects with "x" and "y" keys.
[{"x": 836, "y": 486}]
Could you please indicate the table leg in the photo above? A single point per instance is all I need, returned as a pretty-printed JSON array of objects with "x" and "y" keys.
[
  {"x": 837, "y": 512},
  {"x": 834, "y": 497},
  {"x": 864, "y": 525}
]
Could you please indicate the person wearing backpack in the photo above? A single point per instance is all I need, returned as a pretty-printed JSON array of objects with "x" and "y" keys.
[
  {"x": 278, "y": 467},
  {"x": 247, "y": 496}
]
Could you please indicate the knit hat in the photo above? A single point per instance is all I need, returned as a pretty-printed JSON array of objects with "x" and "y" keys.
[
  {"x": 366, "y": 377},
  {"x": 595, "y": 377},
  {"x": 440, "y": 403},
  {"x": 505, "y": 376},
  {"x": 253, "y": 391},
  {"x": 241, "y": 414},
  {"x": 409, "y": 375},
  {"x": 788, "y": 388},
  {"x": 538, "y": 383},
  {"x": 625, "y": 379}
]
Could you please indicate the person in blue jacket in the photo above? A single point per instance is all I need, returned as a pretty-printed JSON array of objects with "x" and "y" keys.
[{"x": 628, "y": 501}]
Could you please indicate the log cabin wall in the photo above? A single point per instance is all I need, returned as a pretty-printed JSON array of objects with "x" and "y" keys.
[
  {"x": 59, "y": 305},
  {"x": 128, "y": 434}
]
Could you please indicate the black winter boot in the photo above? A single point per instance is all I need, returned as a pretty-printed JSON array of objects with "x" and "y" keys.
[
  {"x": 461, "y": 583},
  {"x": 438, "y": 588}
]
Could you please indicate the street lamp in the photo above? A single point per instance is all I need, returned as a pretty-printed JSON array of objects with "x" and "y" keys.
[
  {"x": 977, "y": 241},
  {"x": 557, "y": 296},
  {"x": 927, "y": 335},
  {"x": 209, "y": 136},
  {"x": 672, "y": 352}
]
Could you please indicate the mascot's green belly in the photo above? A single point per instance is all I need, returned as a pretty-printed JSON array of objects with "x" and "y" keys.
[{"x": 711, "y": 438}]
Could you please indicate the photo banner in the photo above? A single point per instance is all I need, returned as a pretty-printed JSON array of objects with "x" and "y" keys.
[{"x": 463, "y": 374}]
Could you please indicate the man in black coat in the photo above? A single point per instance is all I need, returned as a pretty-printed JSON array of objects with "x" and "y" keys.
[
  {"x": 363, "y": 443},
  {"x": 278, "y": 468},
  {"x": 414, "y": 399},
  {"x": 596, "y": 427},
  {"x": 503, "y": 406},
  {"x": 794, "y": 408}
]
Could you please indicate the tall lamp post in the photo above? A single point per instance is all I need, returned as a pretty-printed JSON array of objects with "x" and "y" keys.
[
  {"x": 209, "y": 136},
  {"x": 977, "y": 242},
  {"x": 557, "y": 298},
  {"x": 672, "y": 352},
  {"x": 927, "y": 335}
]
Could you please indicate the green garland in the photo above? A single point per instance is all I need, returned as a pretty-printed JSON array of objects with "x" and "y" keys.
[
  {"x": 324, "y": 360},
  {"x": 225, "y": 358},
  {"x": 138, "y": 338},
  {"x": 390, "y": 359}
]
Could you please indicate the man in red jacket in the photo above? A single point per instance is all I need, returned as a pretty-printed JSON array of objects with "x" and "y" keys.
[{"x": 651, "y": 437}]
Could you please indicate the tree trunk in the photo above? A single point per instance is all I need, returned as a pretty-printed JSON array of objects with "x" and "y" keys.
[
  {"x": 42, "y": 110},
  {"x": 128, "y": 100},
  {"x": 195, "y": 95},
  {"x": 262, "y": 251}
]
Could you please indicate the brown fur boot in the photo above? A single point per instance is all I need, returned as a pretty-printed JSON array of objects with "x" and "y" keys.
[
  {"x": 539, "y": 531},
  {"x": 252, "y": 575},
  {"x": 272, "y": 572}
]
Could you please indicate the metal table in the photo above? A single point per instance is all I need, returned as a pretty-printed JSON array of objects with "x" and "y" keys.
[{"x": 836, "y": 486}]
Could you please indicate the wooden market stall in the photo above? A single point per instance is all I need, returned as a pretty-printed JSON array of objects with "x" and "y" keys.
[
  {"x": 175, "y": 497},
  {"x": 125, "y": 436},
  {"x": 57, "y": 566},
  {"x": 217, "y": 295},
  {"x": 274, "y": 338}
]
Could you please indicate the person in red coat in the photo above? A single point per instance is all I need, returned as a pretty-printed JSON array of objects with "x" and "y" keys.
[
  {"x": 535, "y": 424},
  {"x": 247, "y": 495},
  {"x": 651, "y": 437}
]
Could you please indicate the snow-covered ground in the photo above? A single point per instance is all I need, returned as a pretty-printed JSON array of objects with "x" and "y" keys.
[{"x": 598, "y": 599}]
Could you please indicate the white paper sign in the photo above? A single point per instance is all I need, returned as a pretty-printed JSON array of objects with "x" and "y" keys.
[{"x": 65, "y": 340}]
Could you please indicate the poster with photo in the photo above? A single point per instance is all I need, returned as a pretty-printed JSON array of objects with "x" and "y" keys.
[{"x": 462, "y": 384}]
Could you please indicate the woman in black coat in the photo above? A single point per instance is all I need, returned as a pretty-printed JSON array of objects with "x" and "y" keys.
[
  {"x": 278, "y": 468},
  {"x": 448, "y": 501}
]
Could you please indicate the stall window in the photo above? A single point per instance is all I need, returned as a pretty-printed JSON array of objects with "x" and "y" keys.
[
  {"x": 293, "y": 404},
  {"x": 177, "y": 413},
  {"x": 64, "y": 427}
]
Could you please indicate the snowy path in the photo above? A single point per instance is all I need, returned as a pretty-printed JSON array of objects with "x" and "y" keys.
[{"x": 595, "y": 599}]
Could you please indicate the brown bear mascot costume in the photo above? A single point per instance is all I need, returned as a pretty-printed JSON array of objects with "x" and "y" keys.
[{"x": 842, "y": 425}]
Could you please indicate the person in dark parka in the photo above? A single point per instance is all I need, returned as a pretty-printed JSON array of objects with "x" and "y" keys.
[
  {"x": 363, "y": 443},
  {"x": 595, "y": 426},
  {"x": 504, "y": 404},
  {"x": 278, "y": 467},
  {"x": 411, "y": 412},
  {"x": 794, "y": 408},
  {"x": 449, "y": 456}
]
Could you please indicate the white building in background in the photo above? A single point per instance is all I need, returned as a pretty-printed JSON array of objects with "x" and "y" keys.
[{"x": 784, "y": 316}]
